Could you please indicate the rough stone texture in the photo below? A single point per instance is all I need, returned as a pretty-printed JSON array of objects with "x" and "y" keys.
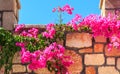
[
  {"x": 6, "y": 5},
  {"x": 43, "y": 71},
  {"x": 0, "y": 23},
  {"x": 15, "y": 8},
  {"x": 114, "y": 52},
  {"x": 94, "y": 59},
  {"x": 107, "y": 70},
  {"x": 112, "y": 3},
  {"x": 100, "y": 39},
  {"x": 90, "y": 70},
  {"x": 109, "y": 11},
  {"x": 28, "y": 70},
  {"x": 9, "y": 20},
  {"x": 2, "y": 70},
  {"x": 60, "y": 42},
  {"x": 16, "y": 58},
  {"x": 0, "y": 16},
  {"x": 110, "y": 61},
  {"x": 76, "y": 67},
  {"x": 86, "y": 50},
  {"x": 78, "y": 40},
  {"x": 98, "y": 47},
  {"x": 0, "y": 19},
  {"x": 118, "y": 63},
  {"x": 18, "y": 68}
]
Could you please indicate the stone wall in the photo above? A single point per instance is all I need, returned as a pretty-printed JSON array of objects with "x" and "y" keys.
[
  {"x": 90, "y": 55},
  {"x": 9, "y": 13},
  {"x": 109, "y": 6}
]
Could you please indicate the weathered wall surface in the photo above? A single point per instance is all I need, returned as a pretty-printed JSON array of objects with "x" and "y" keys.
[
  {"x": 109, "y": 6},
  {"x": 90, "y": 55},
  {"x": 9, "y": 13}
]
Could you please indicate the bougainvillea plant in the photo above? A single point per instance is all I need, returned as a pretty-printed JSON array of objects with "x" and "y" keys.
[
  {"x": 60, "y": 10},
  {"x": 40, "y": 50}
]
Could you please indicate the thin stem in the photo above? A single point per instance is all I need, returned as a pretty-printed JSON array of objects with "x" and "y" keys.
[{"x": 60, "y": 17}]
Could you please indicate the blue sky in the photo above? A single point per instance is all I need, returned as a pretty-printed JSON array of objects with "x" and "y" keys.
[{"x": 40, "y": 11}]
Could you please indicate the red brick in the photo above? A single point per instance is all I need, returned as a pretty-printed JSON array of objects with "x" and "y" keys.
[
  {"x": 86, "y": 50},
  {"x": 100, "y": 39},
  {"x": 114, "y": 52},
  {"x": 76, "y": 67},
  {"x": 78, "y": 40},
  {"x": 90, "y": 70},
  {"x": 98, "y": 47}
]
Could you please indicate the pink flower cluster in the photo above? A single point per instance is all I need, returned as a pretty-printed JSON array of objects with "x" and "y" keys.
[
  {"x": 67, "y": 8},
  {"x": 19, "y": 27},
  {"x": 100, "y": 26},
  {"x": 115, "y": 42},
  {"x": 38, "y": 59},
  {"x": 50, "y": 31},
  {"x": 32, "y": 32},
  {"x": 74, "y": 22}
]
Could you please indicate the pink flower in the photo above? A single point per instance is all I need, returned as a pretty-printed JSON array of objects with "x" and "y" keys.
[
  {"x": 45, "y": 34},
  {"x": 24, "y": 33},
  {"x": 40, "y": 63},
  {"x": 60, "y": 9},
  {"x": 54, "y": 9},
  {"x": 110, "y": 47},
  {"x": 65, "y": 8},
  {"x": 19, "y": 27},
  {"x": 75, "y": 27},
  {"x": 25, "y": 57},
  {"x": 68, "y": 9},
  {"x": 49, "y": 26},
  {"x": 33, "y": 31},
  {"x": 74, "y": 21},
  {"x": 20, "y": 44},
  {"x": 77, "y": 18},
  {"x": 116, "y": 44},
  {"x": 50, "y": 31}
]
